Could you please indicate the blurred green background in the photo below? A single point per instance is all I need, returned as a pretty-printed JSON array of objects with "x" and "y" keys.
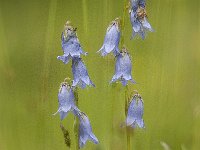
[{"x": 166, "y": 66}]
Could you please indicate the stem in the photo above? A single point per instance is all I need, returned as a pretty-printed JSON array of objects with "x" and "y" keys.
[
  {"x": 128, "y": 137},
  {"x": 113, "y": 90},
  {"x": 76, "y": 122}
]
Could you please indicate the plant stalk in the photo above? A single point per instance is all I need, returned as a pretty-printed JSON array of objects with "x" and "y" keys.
[
  {"x": 128, "y": 137},
  {"x": 76, "y": 121}
]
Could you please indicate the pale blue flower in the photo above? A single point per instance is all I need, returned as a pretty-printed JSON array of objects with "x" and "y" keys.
[
  {"x": 135, "y": 112},
  {"x": 85, "y": 129},
  {"x": 138, "y": 19},
  {"x": 66, "y": 100},
  {"x": 123, "y": 68},
  {"x": 80, "y": 73},
  {"x": 71, "y": 48},
  {"x": 111, "y": 41}
]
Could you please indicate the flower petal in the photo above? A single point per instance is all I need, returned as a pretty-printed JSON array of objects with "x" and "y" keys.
[
  {"x": 85, "y": 130},
  {"x": 139, "y": 114},
  {"x": 124, "y": 82},
  {"x": 131, "y": 115},
  {"x": 147, "y": 25},
  {"x": 72, "y": 47},
  {"x": 140, "y": 123},
  {"x": 63, "y": 115},
  {"x": 80, "y": 73},
  {"x": 136, "y": 26},
  {"x": 64, "y": 59},
  {"x": 93, "y": 138},
  {"x": 111, "y": 40},
  {"x": 123, "y": 69},
  {"x": 66, "y": 101}
]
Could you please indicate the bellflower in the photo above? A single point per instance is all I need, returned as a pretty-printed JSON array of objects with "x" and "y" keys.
[
  {"x": 123, "y": 68},
  {"x": 138, "y": 19},
  {"x": 85, "y": 129},
  {"x": 135, "y": 112},
  {"x": 112, "y": 38},
  {"x": 80, "y": 73},
  {"x": 66, "y": 100},
  {"x": 70, "y": 44}
]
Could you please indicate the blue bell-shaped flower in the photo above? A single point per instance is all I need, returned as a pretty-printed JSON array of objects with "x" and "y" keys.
[
  {"x": 111, "y": 41},
  {"x": 135, "y": 112},
  {"x": 65, "y": 100},
  {"x": 80, "y": 73},
  {"x": 85, "y": 129},
  {"x": 123, "y": 68}
]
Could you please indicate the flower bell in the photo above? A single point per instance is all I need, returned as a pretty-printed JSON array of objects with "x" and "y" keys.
[
  {"x": 138, "y": 18},
  {"x": 70, "y": 44},
  {"x": 85, "y": 129},
  {"x": 80, "y": 73},
  {"x": 112, "y": 37},
  {"x": 123, "y": 68},
  {"x": 65, "y": 100},
  {"x": 135, "y": 112}
]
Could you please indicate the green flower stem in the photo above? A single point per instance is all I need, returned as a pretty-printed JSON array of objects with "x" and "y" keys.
[
  {"x": 76, "y": 122},
  {"x": 128, "y": 137},
  {"x": 113, "y": 90}
]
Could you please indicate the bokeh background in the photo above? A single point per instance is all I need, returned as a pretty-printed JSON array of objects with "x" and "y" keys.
[{"x": 166, "y": 66}]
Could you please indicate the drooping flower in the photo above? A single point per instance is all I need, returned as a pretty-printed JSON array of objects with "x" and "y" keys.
[
  {"x": 138, "y": 19},
  {"x": 135, "y": 112},
  {"x": 80, "y": 73},
  {"x": 70, "y": 44},
  {"x": 123, "y": 68},
  {"x": 66, "y": 100},
  {"x": 112, "y": 38},
  {"x": 85, "y": 129}
]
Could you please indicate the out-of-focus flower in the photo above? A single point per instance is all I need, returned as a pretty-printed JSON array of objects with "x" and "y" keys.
[
  {"x": 85, "y": 129},
  {"x": 81, "y": 77},
  {"x": 66, "y": 100},
  {"x": 138, "y": 19},
  {"x": 70, "y": 44},
  {"x": 112, "y": 38},
  {"x": 123, "y": 68},
  {"x": 135, "y": 112}
]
